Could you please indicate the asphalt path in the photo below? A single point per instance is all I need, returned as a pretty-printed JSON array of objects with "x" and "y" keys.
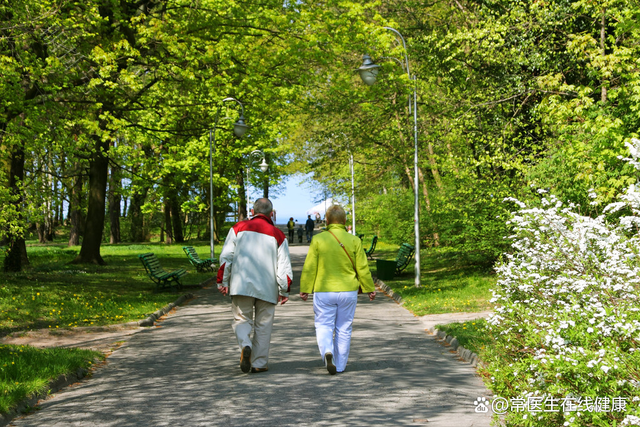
[{"x": 186, "y": 373}]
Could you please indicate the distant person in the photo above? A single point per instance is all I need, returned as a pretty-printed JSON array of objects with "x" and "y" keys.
[
  {"x": 291, "y": 226},
  {"x": 309, "y": 226},
  {"x": 300, "y": 233},
  {"x": 255, "y": 269},
  {"x": 335, "y": 267}
]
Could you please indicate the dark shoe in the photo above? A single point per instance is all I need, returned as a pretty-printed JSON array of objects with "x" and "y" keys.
[
  {"x": 258, "y": 370},
  {"x": 245, "y": 359},
  {"x": 328, "y": 358}
]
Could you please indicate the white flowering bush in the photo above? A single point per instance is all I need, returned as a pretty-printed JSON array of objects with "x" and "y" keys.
[{"x": 567, "y": 315}]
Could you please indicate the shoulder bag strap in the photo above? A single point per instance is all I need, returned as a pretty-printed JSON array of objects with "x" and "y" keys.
[{"x": 346, "y": 252}]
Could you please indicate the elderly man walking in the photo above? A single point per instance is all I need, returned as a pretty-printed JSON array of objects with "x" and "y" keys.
[{"x": 255, "y": 269}]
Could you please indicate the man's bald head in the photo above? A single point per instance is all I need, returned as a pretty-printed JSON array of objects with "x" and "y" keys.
[{"x": 263, "y": 206}]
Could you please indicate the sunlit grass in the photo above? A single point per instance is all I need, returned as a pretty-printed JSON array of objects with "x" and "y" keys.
[
  {"x": 25, "y": 370},
  {"x": 51, "y": 293},
  {"x": 450, "y": 282},
  {"x": 472, "y": 335}
]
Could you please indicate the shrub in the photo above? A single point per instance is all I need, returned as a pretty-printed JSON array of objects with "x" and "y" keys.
[{"x": 567, "y": 318}]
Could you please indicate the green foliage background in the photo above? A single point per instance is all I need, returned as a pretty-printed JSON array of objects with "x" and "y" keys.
[{"x": 511, "y": 95}]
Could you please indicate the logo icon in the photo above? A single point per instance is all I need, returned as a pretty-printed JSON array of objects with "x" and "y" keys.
[{"x": 481, "y": 404}]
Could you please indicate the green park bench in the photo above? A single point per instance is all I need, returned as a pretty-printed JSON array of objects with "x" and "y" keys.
[
  {"x": 361, "y": 236},
  {"x": 386, "y": 269},
  {"x": 158, "y": 275},
  {"x": 202, "y": 265},
  {"x": 405, "y": 253},
  {"x": 369, "y": 251}
]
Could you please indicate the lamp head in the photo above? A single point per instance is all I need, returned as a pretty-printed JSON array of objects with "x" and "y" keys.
[
  {"x": 264, "y": 166},
  {"x": 240, "y": 127},
  {"x": 368, "y": 70}
]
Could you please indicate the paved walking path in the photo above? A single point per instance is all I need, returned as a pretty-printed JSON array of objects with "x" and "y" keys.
[{"x": 186, "y": 373}]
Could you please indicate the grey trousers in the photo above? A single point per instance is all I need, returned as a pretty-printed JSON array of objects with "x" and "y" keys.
[{"x": 244, "y": 322}]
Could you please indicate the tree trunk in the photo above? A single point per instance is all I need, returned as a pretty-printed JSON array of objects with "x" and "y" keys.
[
  {"x": 17, "y": 254},
  {"x": 48, "y": 201},
  {"x": 218, "y": 215},
  {"x": 59, "y": 194},
  {"x": 49, "y": 230},
  {"x": 409, "y": 174},
  {"x": 75, "y": 208},
  {"x": 167, "y": 222},
  {"x": 94, "y": 225},
  {"x": 177, "y": 221},
  {"x": 434, "y": 166},
  {"x": 114, "y": 205},
  {"x": 55, "y": 205},
  {"x": 265, "y": 187},
  {"x": 136, "y": 216},
  {"x": 40, "y": 229},
  {"x": 425, "y": 193}
]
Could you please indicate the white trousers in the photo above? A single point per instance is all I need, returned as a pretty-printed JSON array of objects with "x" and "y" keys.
[
  {"x": 334, "y": 313},
  {"x": 243, "y": 323}
]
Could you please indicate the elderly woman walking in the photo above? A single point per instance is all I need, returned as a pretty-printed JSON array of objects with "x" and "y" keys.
[{"x": 336, "y": 266}]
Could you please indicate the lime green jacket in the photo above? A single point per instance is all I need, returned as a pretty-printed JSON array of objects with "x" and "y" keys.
[{"x": 327, "y": 267}]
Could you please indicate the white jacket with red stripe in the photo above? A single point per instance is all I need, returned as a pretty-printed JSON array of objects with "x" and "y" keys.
[{"x": 255, "y": 260}]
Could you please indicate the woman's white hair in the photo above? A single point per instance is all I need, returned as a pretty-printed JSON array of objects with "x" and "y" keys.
[{"x": 336, "y": 215}]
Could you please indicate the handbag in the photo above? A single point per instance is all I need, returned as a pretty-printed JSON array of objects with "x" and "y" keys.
[{"x": 352, "y": 263}]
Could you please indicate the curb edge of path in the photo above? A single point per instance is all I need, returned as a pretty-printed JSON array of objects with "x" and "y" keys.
[
  {"x": 65, "y": 380},
  {"x": 441, "y": 336},
  {"x": 150, "y": 320}
]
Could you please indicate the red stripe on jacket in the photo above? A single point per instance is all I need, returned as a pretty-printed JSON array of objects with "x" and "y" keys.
[
  {"x": 260, "y": 224},
  {"x": 220, "y": 273}
]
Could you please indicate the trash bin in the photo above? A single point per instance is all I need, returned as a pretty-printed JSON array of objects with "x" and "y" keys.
[{"x": 385, "y": 269}]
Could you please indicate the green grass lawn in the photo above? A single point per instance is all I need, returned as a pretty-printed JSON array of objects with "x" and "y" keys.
[
  {"x": 51, "y": 293},
  {"x": 25, "y": 370},
  {"x": 450, "y": 281}
]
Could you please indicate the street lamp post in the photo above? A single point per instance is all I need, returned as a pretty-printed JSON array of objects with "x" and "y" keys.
[
  {"x": 239, "y": 129},
  {"x": 353, "y": 197},
  {"x": 368, "y": 73}
]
